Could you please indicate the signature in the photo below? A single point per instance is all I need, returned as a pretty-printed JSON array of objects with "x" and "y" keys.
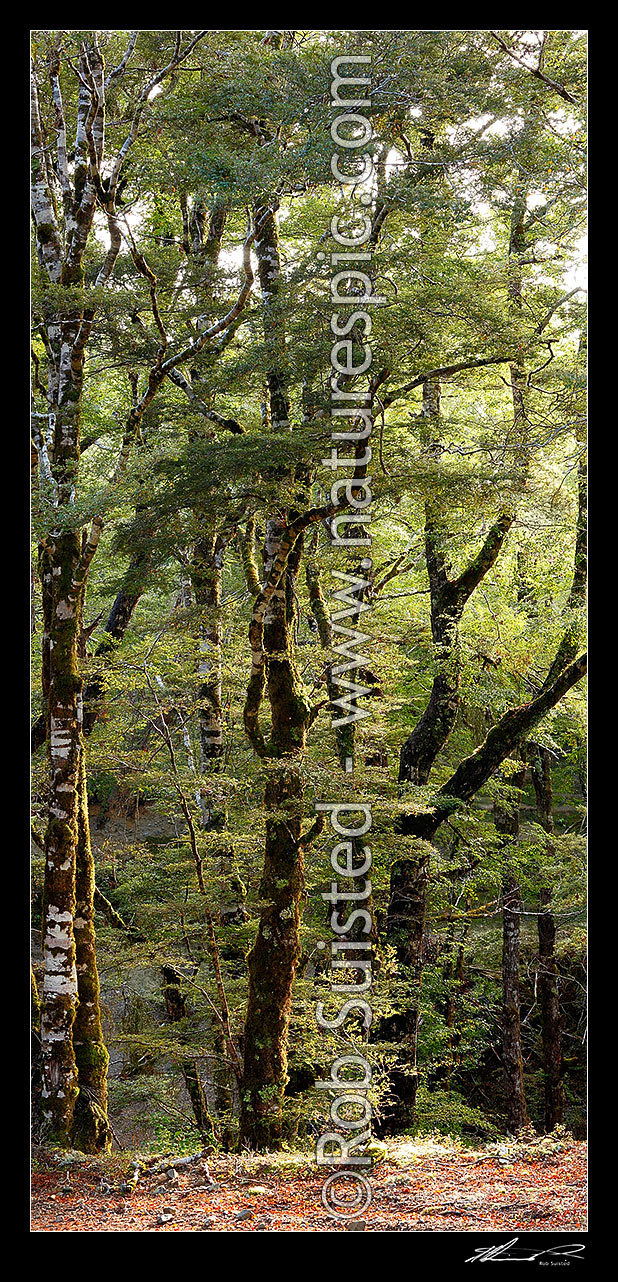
[{"x": 509, "y": 1251}]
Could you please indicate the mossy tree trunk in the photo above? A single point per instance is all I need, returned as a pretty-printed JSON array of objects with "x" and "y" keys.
[
  {"x": 273, "y": 959},
  {"x": 87, "y": 1125},
  {"x": 91, "y": 1131},
  {"x": 506, "y": 819},
  {"x": 116, "y": 625},
  {"x": 73, "y": 1055},
  {"x": 551, "y": 1019},
  {"x": 35, "y": 1049},
  {"x": 272, "y": 965},
  {"x": 63, "y": 230},
  {"x": 56, "y": 431},
  {"x": 512, "y": 1058}
]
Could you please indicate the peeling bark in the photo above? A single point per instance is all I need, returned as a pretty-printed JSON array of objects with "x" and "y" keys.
[{"x": 59, "y": 1001}]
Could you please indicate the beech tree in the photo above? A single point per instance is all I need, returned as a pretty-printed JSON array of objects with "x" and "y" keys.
[{"x": 65, "y": 322}]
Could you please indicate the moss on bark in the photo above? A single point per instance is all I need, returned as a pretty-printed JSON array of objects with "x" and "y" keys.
[{"x": 91, "y": 1131}]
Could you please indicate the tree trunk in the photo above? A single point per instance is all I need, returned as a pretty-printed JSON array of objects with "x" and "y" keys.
[
  {"x": 548, "y": 970},
  {"x": 62, "y": 239},
  {"x": 35, "y": 1050},
  {"x": 176, "y": 1006},
  {"x": 91, "y": 1132},
  {"x": 206, "y": 576},
  {"x": 506, "y": 819},
  {"x": 454, "y": 974},
  {"x": 273, "y": 960},
  {"x": 272, "y": 965},
  {"x": 550, "y": 1013},
  {"x": 512, "y": 1059},
  {"x": 59, "y": 998},
  {"x": 206, "y": 568},
  {"x": 269, "y": 273},
  {"x": 117, "y": 623},
  {"x": 405, "y": 930}
]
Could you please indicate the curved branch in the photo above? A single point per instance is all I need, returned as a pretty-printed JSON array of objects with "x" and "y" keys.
[
  {"x": 509, "y": 731},
  {"x": 469, "y": 579}
]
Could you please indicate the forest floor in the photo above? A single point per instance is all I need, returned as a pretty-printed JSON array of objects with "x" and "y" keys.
[{"x": 419, "y": 1186}]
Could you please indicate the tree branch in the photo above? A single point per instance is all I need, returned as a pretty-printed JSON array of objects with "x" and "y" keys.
[
  {"x": 509, "y": 731},
  {"x": 535, "y": 71}
]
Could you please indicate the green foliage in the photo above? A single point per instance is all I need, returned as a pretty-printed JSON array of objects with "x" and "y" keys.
[
  {"x": 446, "y": 1113},
  {"x": 457, "y": 124}
]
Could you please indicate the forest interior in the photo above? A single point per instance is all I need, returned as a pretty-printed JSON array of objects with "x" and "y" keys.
[{"x": 308, "y": 606}]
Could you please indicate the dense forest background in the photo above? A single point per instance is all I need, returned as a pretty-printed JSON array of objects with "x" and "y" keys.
[{"x": 183, "y": 575}]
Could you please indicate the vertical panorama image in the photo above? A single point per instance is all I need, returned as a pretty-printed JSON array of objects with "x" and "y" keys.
[{"x": 308, "y": 577}]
